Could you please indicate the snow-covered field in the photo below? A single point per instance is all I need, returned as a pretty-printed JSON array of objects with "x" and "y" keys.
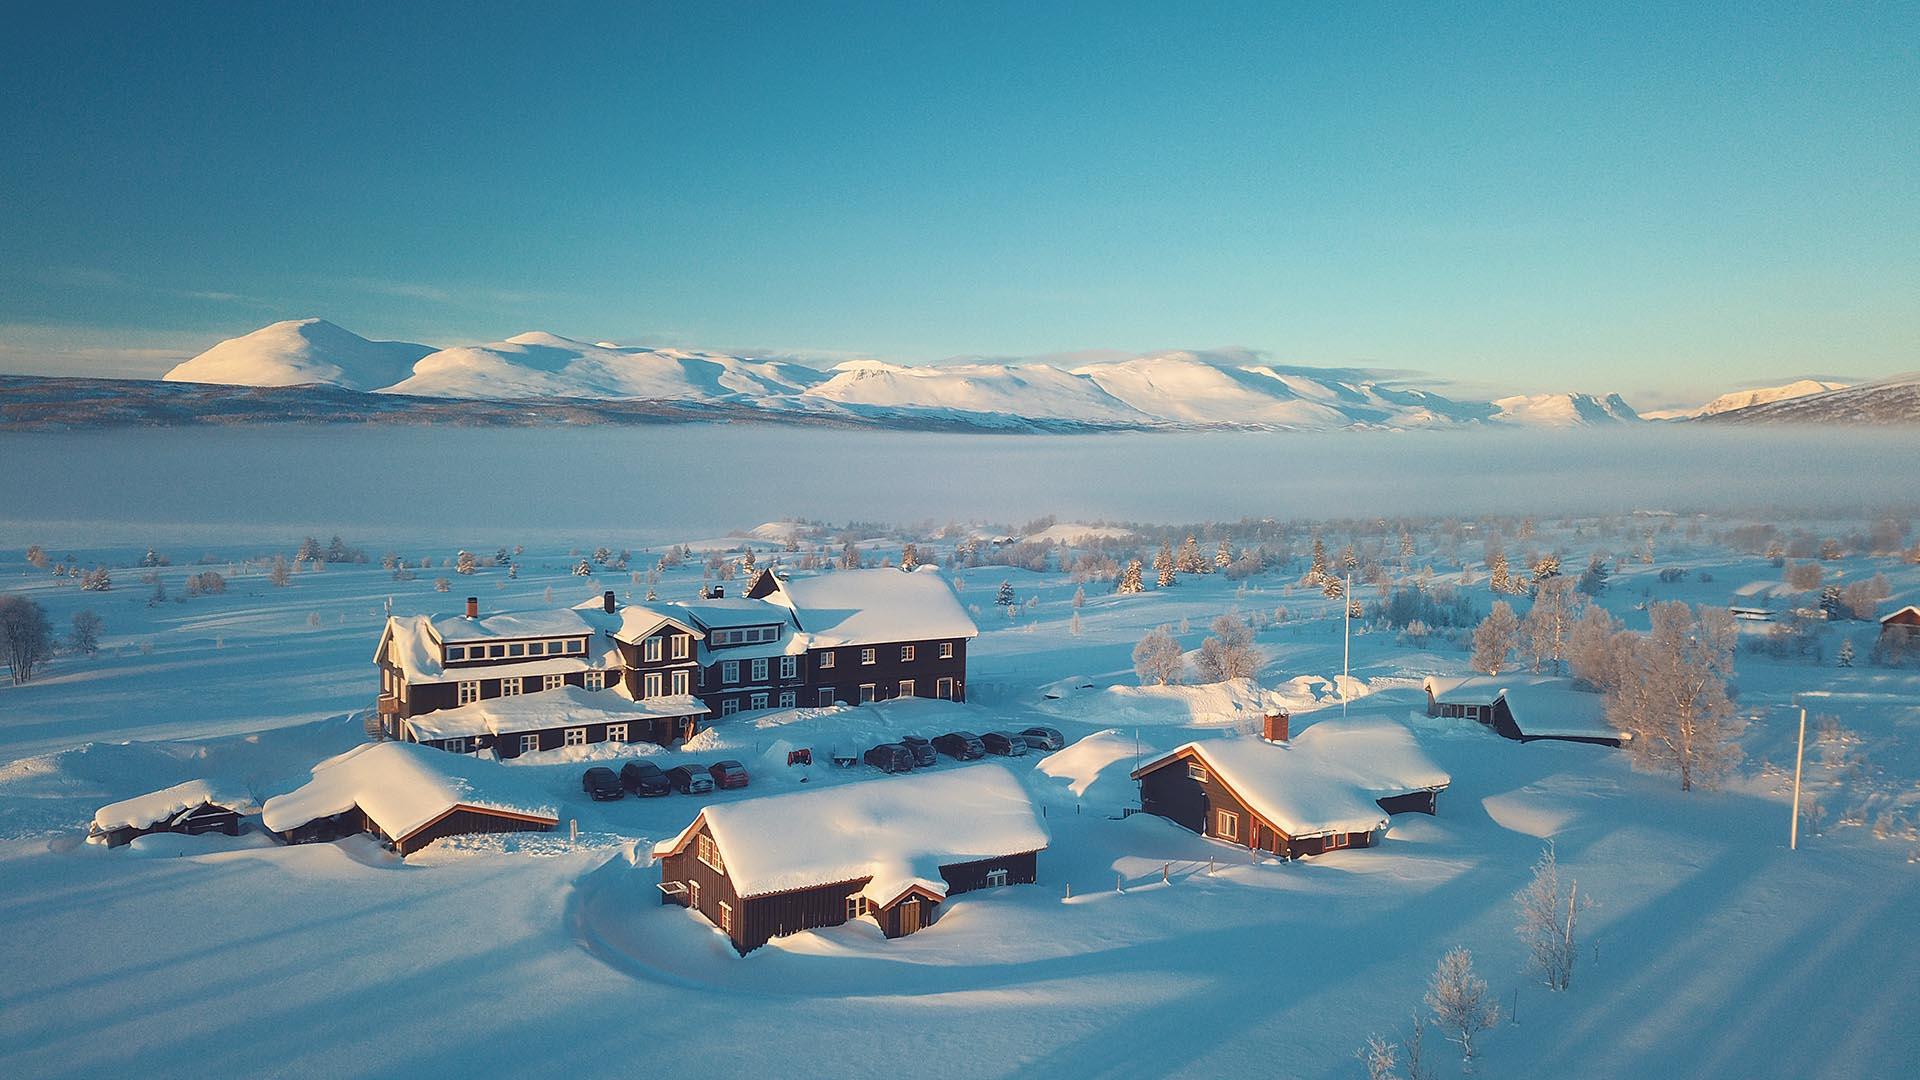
[{"x": 1709, "y": 950}]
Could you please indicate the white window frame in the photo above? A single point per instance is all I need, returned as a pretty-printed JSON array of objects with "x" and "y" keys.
[
  {"x": 943, "y": 688},
  {"x": 510, "y": 686},
  {"x": 760, "y": 669},
  {"x": 867, "y": 656},
  {"x": 456, "y": 652},
  {"x": 530, "y": 743},
  {"x": 495, "y": 652},
  {"x": 576, "y": 736},
  {"x": 946, "y": 650},
  {"x": 757, "y": 701},
  {"x": 1226, "y": 825},
  {"x": 516, "y": 649},
  {"x": 729, "y": 672},
  {"x": 730, "y": 706},
  {"x": 576, "y": 645},
  {"x": 468, "y": 692},
  {"x": 693, "y": 894},
  {"x": 906, "y": 654},
  {"x": 594, "y": 680},
  {"x": 682, "y": 646},
  {"x": 708, "y": 852},
  {"x": 789, "y": 667},
  {"x": 905, "y": 689},
  {"x": 826, "y": 660},
  {"x": 680, "y": 684},
  {"x": 997, "y": 878},
  {"x": 726, "y": 917},
  {"x": 455, "y": 745},
  {"x": 616, "y": 733},
  {"x": 552, "y": 682},
  {"x": 856, "y": 906},
  {"x": 1197, "y": 771},
  {"x": 650, "y": 650},
  {"x": 788, "y": 699},
  {"x": 653, "y": 684},
  {"x": 825, "y": 698},
  {"x": 869, "y": 692}
]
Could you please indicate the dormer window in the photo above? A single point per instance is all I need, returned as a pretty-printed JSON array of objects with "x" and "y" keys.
[
  {"x": 496, "y": 652},
  {"x": 576, "y": 646},
  {"x": 516, "y": 649},
  {"x": 748, "y": 635},
  {"x": 456, "y": 652}
]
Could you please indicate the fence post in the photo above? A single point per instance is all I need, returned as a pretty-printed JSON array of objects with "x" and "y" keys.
[
  {"x": 1166, "y": 870},
  {"x": 573, "y": 830}
]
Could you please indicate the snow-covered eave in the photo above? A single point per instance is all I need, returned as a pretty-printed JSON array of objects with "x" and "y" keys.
[
  {"x": 869, "y": 875},
  {"x": 621, "y": 635},
  {"x": 1885, "y": 619},
  {"x": 1296, "y": 831},
  {"x": 549, "y": 819}
]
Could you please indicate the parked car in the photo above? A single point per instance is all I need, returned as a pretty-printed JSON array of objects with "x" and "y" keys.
[
  {"x": 1044, "y": 738},
  {"x": 601, "y": 783},
  {"x": 690, "y": 779},
  {"x": 960, "y": 745},
  {"x": 1004, "y": 744},
  {"x": 890, "y": 758},
  {"x": 922, "y": 750},
  {"x": 645, "y": 778},
  {"x": 728, "y": 775}
]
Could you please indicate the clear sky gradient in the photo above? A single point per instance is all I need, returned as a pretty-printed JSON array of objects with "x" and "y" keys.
[{"x": 1664, "y": 201}]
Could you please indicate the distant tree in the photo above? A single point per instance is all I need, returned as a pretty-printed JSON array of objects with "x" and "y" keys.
[
  {"x": 1831, "y": 603},
  {"x": 1546, "y": 566},
  {"x": 1459, "y": 1001},
  {"x": 1381, "y": 1056},
  {"x": 26, "y": 638},
  {"x": 1494, "y": 638},
  {"x": 1845, "y": 657},
  {"x": 1189, "y": 560},
  {"x": 309, "y": 550},
  {"x": 98, "y": 579},
  {"x": 36, "y": 557},
  {"x": 442, "y": 584},
  {"x": 503, "y": 557},
  {"x": 206, "y": 583},
  {"x": 1073, "y": 625},
  {"x": 1545, "y": 632},
  {"x": 1670, "y": 693},
  {"x": 1776, "y": 553},
  {"x": 337, "y": 551},
  {"x": 909, "y": 557},
  {"x": 159, "y": 594},
  {"x": 1163, "y": 564},
  {"x": 464, "y": 563},
  {"x": 1229, "y": 653},
  {"x": 602, "y": 555},
  {"x": 1318, "y": 572},
  {"x": 583, "y": 569},
  {"x": 513, "y": 571},
  {"x": 1080, "y": 597},
  {"x": 1803, "y": 576},
  {"x": 1593, "y": 580},
  {"x": 280, "y": 573},
  {"x": 1830, "y": 550},
  {"x": 1547, "y": 911},
  {"x": 1158, "y": 658},
  {"x": 1592, "y": 653},
  {"x": 1861, "y": 599},
  {"x": 1223, "y": 557},
  {"x": 85, "y": 635},
  {"x": 1499, "y": 577},
  {"x": 1004, "y": 597},
  {"x": 1130, "y": 582},
  {"x": 1406, "y": 548},
  {"x": 1165, "y": 578}
]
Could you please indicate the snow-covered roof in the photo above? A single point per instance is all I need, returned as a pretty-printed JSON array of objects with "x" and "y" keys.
[
  {"x": 1293, "y": 790},
  {"x": 897, "y": 831},
  {"x": 551, "y": 622},
  {"x": 1379, "y": 755},
  {"x": 721, "y": 611},
  {"x": 1542, "y": 705},
  {"x": 634, "y": 622},
  {"x": 875, "y": 607},
  {"x": 1890, "y": 616},
  {"x": 569, "y": 706},
  {"x": 146, "y": 811},
  {"x": 403, "y": 787},
  {"x": 410, "y": 647}
]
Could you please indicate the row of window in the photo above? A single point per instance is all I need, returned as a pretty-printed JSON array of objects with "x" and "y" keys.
[
  {"x": 651, "y": 649},
  {"x": 655, "y": 683},
  {"x": 825, "y": 696},
  {"x": 788, "y": 699},
  {"x": 514, "y": 685},
  {"x": 872, "y": 655},
  {"x": 517, "y": 650},
  {"x": 730, "y": 670},
  {"x": 745, "y": 635},
  {"x": 531, "y": 742}
]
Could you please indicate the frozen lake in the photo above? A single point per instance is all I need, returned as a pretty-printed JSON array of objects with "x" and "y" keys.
[{"x": 653, "y": 484}]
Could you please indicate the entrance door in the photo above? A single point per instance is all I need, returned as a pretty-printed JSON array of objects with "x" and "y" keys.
[
  {"x": 943, "y": 689},
  {"x": 909, "y": 915}
]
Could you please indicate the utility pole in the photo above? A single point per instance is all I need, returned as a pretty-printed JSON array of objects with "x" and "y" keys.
[
  {"x": 1799, "y": 756},
  {"x": 1346, "y": 643}
]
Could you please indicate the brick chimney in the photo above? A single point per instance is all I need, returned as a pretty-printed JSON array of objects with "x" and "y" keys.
[
  {"x": 473, "y": 607},
  {"x": 606, "y": 602},
  {"x": 1276, "y": 724}
]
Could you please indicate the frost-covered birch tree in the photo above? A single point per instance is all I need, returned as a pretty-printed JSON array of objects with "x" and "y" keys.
[{"x": 1548, "y": 911}]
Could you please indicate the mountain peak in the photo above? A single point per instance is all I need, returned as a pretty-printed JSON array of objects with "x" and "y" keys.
[{"x": 297, "y": 352}]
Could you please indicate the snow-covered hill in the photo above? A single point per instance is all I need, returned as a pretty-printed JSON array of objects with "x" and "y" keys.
[
  {"x": 1890, "y": 401},
  {"x": 1225, "y": 388},
  {"x": 1742, "y": 399},
  {"x": 542, "y": 365},
  {"x": 1563, "y": 410},
  {"x": 300, "y": 352}
]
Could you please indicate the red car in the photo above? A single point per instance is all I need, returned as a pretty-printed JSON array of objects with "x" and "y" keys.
[{"x": 728, "y": 774}]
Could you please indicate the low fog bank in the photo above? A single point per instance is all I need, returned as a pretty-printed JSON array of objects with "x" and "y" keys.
[{"x": 672, "y": 482}]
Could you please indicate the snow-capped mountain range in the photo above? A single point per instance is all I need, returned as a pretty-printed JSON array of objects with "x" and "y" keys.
[{"x": 1176, "y": 389}]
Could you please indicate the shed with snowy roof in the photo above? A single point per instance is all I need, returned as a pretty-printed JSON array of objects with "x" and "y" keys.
[
  {"x": 193, "y": 808},
  {"x": 1525, "y": 708},
  {"x": 893, "y": 849},
  {"x": 409, "y": 796}
]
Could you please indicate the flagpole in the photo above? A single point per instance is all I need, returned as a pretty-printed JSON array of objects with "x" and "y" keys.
[
  {"x": 1799, "y": 755},
  {"x": 1346, "y": 643}
]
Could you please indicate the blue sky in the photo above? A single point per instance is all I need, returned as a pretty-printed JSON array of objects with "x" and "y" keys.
[{"x": 1655, "y": 201}]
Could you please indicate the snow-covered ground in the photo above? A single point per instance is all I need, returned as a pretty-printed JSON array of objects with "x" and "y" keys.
[{"x": 1710, "y": 949}]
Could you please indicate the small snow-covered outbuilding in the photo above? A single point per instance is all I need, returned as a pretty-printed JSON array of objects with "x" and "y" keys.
[
  {"x": 1901, "y": 629},
  {"x": 1264, "y": 795},
  {"x": 1525, "y": 707},
  {"x": 193, "y": 808},
  {"x": 409, "y": 796},
  {"x": 894, "y": 849}
]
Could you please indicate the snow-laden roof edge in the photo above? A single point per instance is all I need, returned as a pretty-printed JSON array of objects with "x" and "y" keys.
[{"x": 146, "y": 811}]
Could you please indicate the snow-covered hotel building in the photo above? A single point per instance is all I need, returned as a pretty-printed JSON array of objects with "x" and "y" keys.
[{"x": 850, "y": 636}]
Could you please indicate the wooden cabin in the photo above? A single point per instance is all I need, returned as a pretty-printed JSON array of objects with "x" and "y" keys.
[
  {"x": 893, "y": 850},
  {"x": 407, "y": 796},
  {"x": 1262, "y": 795},
  {"x": 1525, "y": 708},
  {"x": 193, "y": 808},
  {"x": 1900, "y": 631}
]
